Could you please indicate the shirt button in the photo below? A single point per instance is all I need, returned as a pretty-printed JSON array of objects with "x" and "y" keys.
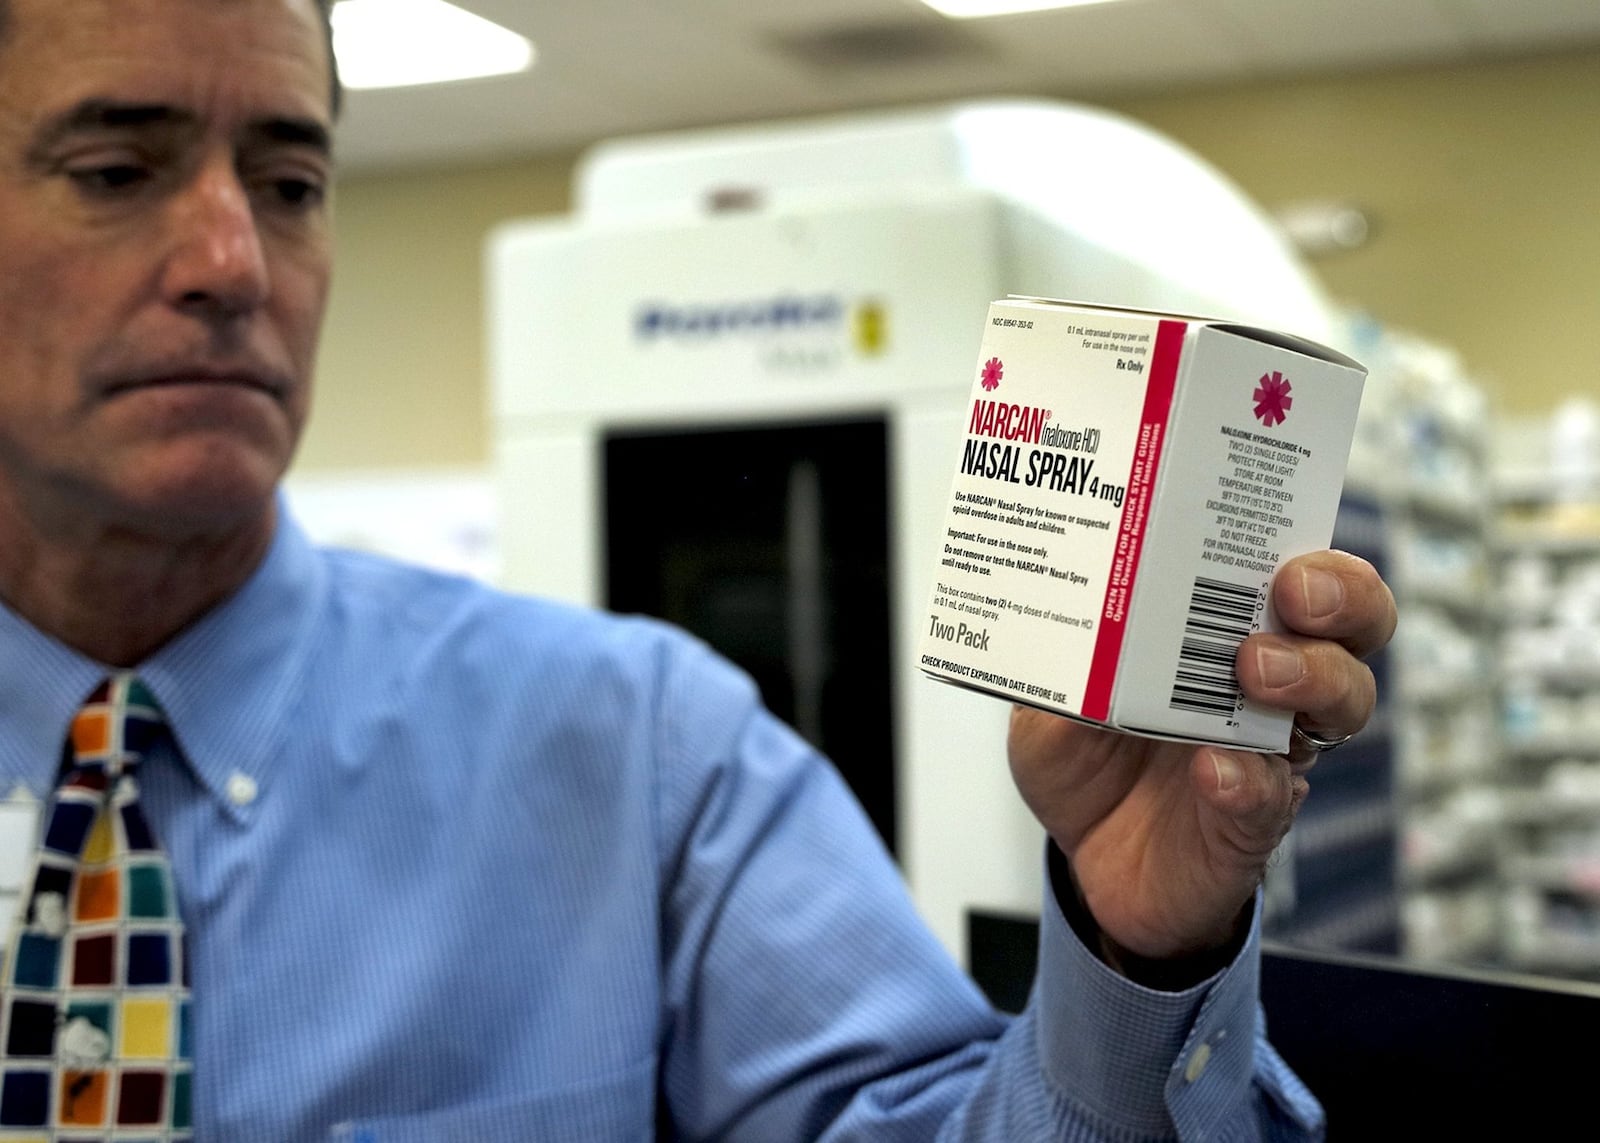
[
  {"x": 241, "y": 789},
  {"x": 1197, "y": 1063}
]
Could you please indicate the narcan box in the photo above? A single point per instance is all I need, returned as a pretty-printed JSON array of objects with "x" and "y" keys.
[{"x": 1127, "y": 485}]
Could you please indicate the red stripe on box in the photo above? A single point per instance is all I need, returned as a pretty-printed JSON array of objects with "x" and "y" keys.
[{"x": 1135, "y": 506}]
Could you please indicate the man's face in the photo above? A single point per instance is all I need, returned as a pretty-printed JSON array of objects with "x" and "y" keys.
[{"x": 164, "y": 257}]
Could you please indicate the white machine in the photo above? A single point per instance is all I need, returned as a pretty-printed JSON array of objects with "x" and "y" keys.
[{"x": 810, "y": 296}]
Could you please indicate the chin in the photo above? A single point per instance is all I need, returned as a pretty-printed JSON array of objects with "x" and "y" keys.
[{"x": 226, "y": 495}]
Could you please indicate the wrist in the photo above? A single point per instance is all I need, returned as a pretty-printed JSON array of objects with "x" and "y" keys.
[{"x": 1166, "y": 974}]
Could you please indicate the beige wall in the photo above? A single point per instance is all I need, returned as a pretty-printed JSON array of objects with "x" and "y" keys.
[
  {"x": 1485, "y": 186},
  {"x": 1484, "y": 181},
  {"x": 401, "y": 374}
]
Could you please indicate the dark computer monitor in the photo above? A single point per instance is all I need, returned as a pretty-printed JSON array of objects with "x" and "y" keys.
[{"x": 1392, "y": 1049}]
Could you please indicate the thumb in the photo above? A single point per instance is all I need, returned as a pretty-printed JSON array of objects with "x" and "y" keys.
[{"x": 1248, "y": 803}]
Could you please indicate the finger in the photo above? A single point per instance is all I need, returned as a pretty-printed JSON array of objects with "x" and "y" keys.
[
  {"x": 1070, "y": 774},
  {"x": 1253, "y": 799},
  {"x": 1338, "y": 596},
  {"x": 1301, "y": 758},
  {"x": 1331, "y": 691}
]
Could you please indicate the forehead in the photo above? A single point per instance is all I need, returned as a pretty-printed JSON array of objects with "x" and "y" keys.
[{"x": 251, "y": 57}]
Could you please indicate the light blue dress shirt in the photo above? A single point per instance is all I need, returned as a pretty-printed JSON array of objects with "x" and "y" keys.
[{"x": 458, "y": 865}]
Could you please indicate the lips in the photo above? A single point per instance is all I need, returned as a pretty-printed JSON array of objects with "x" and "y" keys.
[{"x": 183, "y": 375}]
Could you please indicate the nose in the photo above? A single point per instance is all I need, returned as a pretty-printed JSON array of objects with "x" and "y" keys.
[{"x": 216, "y": 268}]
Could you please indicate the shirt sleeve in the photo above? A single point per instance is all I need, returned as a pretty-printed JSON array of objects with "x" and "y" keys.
[
  {"x": 1142, "y": 1064},
  {"x": 803, "y": 998}
]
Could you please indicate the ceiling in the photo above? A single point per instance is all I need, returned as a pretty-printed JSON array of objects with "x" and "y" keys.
[{"x": 622, "y": 67}]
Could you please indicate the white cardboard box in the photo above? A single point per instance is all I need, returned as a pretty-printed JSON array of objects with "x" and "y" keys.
[{"x": 1128, "y": 484}]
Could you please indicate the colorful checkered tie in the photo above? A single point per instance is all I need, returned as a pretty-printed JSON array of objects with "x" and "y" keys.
[{"x": 96, "y": 995}]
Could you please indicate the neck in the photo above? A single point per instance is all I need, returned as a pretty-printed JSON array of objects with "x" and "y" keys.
[{"x": 117, "y": 594}]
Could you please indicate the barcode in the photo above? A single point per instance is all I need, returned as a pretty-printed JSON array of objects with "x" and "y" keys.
[{"x": 1220, "y": 616}]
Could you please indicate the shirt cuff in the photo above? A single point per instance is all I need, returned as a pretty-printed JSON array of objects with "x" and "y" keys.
[{"x": 1139, "y": 1061}]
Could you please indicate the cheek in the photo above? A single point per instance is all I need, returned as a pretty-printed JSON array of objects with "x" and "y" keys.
[
  {"x": 300, "y": 304},
  {"x": 301, "y": 298},
  {"x": 42, "y": 337}
]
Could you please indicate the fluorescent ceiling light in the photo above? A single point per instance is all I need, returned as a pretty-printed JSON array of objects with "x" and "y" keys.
[
  {"x": 401, "y": 43},
  {"x": 971, "y": 9}
]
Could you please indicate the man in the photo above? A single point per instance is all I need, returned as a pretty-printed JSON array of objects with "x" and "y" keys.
[{"x": 459, "y": 866}]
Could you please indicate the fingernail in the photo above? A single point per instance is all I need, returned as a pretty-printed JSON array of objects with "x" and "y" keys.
[
  {"x": 1228, "y": 772},
  {"x": 1324, "y": 593},
  {"x": 1278, "y": 666}
]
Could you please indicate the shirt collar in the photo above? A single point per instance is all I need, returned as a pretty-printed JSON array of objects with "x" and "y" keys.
[
  {"x": 227, "y": 683},
  {"x": 42, "y": 684}
]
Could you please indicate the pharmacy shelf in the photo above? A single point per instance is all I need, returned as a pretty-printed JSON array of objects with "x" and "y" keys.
[
  {"x": 1543, "y": 542},
  {"x": 1466, "y": 601},
  {"x": 1547, "y": 552},
  {"x": 1579, "y": 876},
  {"x": 1549, "y": 951},
  {"x": 1574, "y": 677},
  {"x": 1451, "y": 507},
  {"x": 1541, "y": 807},
  {"x": 1553, "y": 748},
  {"x": 1334, "y": 882}
]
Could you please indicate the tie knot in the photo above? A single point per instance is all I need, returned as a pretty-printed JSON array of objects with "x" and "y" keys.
[{"x": 115, "y": 726}]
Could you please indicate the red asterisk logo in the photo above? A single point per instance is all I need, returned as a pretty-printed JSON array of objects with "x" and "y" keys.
[
  {"x": 1272, "y": 399},
  {"x": 993, "y": 370}
]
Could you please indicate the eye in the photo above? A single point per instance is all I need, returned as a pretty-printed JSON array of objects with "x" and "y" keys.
[
  {"x": 298, "y": 192},
  {"x": 109, "y": 178},
  {"x": 288, "y": 188}
]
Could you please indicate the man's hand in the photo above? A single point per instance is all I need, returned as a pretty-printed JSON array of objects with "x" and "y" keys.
[{"x": 1168, "y": 841}]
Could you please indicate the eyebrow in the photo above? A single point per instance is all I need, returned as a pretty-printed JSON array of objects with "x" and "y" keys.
[{"x": 111, "y": 115}]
